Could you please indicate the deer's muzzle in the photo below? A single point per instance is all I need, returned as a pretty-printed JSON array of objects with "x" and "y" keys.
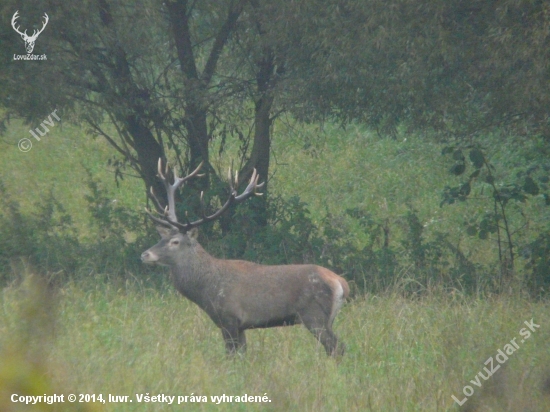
[{"x": 149, "y": 257}]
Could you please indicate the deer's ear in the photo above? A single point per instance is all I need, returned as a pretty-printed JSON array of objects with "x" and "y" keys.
[
  {"x": 165, "y": 232},
  {"x": 193, "y": 233}
]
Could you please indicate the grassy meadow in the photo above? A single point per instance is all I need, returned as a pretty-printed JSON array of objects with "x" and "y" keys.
[
  {"x": 402, "y": 354},
  {"x": 97, "y": 333}
]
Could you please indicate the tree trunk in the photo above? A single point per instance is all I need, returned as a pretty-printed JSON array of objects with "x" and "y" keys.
[
  {"x": 260, "y": 155},
  {"x": 149, "y": 151}
]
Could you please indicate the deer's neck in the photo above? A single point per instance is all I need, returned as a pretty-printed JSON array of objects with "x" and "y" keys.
[{"x": 195, "y": 276}]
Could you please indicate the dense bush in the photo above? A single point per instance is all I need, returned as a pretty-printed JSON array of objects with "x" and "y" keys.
[
  {"x": 50, "y": 242},
  {"x": 46, "y": 238}
]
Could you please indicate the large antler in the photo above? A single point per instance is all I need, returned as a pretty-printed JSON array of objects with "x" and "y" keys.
[{"x": 169, "y": 212}]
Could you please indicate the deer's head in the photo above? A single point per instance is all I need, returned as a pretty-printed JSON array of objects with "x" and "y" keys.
[
  {"x": 177, "y": 239},
  {"x": 172, "y": 248}
]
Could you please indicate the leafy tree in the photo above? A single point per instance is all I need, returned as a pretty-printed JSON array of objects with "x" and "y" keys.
[
  {"x": 168, "y": 79},
  {"x": 150, "y": 76},
  {"x": 181, "y": 74},
  {"x": 529, "y": 181},
  {"x": 462, "y": 67}
]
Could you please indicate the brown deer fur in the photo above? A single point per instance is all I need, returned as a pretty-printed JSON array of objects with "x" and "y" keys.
[{"x": 239, "y": 295}]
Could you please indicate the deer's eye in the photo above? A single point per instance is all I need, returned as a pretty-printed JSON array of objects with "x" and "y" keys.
[{"x": 175, "y": 242}]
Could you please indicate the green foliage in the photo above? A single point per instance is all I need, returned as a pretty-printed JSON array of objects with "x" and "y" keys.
[
  {"x": 287, "y": 238},
  {"x": 371, "y": 267},
  {"x": 110, "y": 74},
  {"x": 50, "y": 242},
  {"x": 460, "y": 67},
  {"x": 120, "y": 236},
  {"x": 110, "y": 219},
  {"x": 537, "y": 254},
  {"x": 415, "y": 244},
  {"x": 516, "y": 186},
  {"x": 484, "y": 172},
  {"x": 47, "y": 237}
]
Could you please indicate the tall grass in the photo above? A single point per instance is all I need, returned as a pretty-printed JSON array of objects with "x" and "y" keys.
[{"x": 402, "y": 354}]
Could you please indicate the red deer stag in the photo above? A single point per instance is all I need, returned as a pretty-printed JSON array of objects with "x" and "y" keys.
[{"x": 239, "y": 295}]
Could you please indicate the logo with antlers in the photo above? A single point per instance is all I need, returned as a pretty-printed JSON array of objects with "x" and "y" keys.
[{"x": 29, "y": 40}]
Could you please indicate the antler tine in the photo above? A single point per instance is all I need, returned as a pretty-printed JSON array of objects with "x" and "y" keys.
[
  {"x": 194, "y": 172},
  {"x": 159, "y": 221},
  {"x": 155, "y": 199},
  {"x": 187, "y": 218},
  {"x": 230, "y": 180},
  {"x": 172, "y": 188},
  {"x": 203, "y": 206},
  {"x": 159, "y": 169},
  {"x": 170, "y": 219},
  {"x": 233, "y": 181},
  {"x": 258, "y": 186},
  {"x": 233, "y": 198},
  {"x": 251, "y": 188},
  {"x": 169, "y": 211},
  {"x": 162, "y": 175}
]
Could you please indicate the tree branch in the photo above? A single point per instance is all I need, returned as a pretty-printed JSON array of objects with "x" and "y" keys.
[
  {"x": 182, "y": 36},
  {"x": 221, "y": 40}
]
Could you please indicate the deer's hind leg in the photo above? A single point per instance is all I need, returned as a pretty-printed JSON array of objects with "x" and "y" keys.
[
  {"x": 318, "y": 315},
  {"x": 327, "y": 338},
  {"x": 319, "y": 322}
]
